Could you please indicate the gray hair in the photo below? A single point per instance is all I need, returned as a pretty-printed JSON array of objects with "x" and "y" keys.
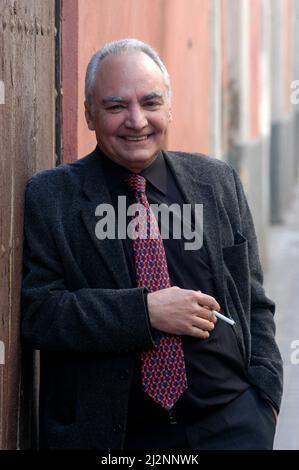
[{"x": 119, "y": 47}]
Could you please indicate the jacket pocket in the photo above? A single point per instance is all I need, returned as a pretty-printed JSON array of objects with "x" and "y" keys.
[
  {"x": 235, "y": 310},
  {"x": 238, "y": 291},
  {"x": 237, "y": 272},
  {"x": 236, "y": 256}
]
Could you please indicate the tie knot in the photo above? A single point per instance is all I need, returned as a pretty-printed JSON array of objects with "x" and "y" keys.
[{"x": 137, "y": 183}]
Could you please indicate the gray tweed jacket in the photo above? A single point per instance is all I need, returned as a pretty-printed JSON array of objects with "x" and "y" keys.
[{"x": 80, "y": 309}]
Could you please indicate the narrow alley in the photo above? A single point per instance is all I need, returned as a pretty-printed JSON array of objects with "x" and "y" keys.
[{"x": 282, "y": 285}]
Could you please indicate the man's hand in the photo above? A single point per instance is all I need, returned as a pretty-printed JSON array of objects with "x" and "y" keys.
[{"x": 182, "y": 312}]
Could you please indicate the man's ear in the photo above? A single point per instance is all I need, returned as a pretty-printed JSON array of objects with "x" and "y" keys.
[
  {"x": 170, "y": 115},
  {"x": 88, "y": 117}
]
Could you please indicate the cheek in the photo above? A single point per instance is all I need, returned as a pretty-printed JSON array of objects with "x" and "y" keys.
[
  {"x": 160, "y": 121},
  {"x": 107, "y": 127},
  {"x": 162, "y": 124},
  {"x": 108, "y": 123}
]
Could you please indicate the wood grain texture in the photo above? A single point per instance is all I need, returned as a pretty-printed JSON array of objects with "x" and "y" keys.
[{"x": 27, "y": 41}]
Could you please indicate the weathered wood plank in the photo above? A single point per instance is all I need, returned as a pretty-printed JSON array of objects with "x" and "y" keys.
[{"x": 27, "y": 63}]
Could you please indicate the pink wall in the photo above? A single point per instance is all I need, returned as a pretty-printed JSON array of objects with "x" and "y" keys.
[
  {"x": 255, "y": 47},
  {"x": 178, "y": 30},
  {"x": 186, "y": 52}
]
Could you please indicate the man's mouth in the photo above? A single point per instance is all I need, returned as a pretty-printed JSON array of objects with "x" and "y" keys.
[{"x": 135, "y": 138}]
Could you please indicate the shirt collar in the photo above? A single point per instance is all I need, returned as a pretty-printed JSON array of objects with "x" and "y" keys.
[{"x": 156, "y": 173}]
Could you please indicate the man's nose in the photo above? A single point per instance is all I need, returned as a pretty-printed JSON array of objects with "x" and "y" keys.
[{"x": 136, "y": 118}]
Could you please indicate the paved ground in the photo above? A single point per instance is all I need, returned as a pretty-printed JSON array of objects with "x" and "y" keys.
[{"x": 282, "y": 284}]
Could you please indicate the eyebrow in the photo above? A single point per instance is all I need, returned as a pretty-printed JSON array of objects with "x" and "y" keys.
[
  {"x": 119, "y": 99},
  {"x": 113, "y": 99},
  {"x": 154, "y": 94}
]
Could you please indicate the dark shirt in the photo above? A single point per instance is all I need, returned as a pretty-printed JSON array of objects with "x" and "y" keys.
[{"x": 214, "y": 366}]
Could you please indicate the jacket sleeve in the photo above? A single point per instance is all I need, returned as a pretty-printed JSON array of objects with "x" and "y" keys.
[
  {"x": 84, "y": 320},
  {"x": 265, "y": 369}
]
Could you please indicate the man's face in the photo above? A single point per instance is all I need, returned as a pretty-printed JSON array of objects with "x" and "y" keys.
[{"x": 130, "y": 111}]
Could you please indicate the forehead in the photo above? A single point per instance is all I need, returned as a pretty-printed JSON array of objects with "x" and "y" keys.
[{"x": 128, "y": 72}]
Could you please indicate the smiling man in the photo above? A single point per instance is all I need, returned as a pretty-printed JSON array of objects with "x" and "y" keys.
[
  {"x": 132, "y": 353},
  {"x": 129, "y": 109}
]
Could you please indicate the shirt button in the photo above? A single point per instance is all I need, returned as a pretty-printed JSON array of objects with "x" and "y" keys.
[
  {"x": 124, "y": 374},
  {"x": 172, "y": 417},
  {"x": 117, "y": 427}
]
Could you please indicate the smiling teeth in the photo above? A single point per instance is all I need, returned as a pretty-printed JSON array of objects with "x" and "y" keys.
[{"x": 136, "y": 139}]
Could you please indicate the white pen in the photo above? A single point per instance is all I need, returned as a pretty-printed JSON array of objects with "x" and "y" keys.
[{"x": 222, "y": 317}]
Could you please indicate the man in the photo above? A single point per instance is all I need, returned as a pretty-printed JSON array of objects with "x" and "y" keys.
[{"x": 132, "y": 352}]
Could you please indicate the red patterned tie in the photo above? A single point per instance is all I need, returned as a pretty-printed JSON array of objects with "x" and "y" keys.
[{"x": 163, "y": 368}]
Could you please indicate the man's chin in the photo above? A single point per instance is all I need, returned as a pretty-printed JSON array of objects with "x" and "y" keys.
[{"x": 138, "y": 160}]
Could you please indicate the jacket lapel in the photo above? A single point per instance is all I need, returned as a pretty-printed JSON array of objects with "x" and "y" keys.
[
  {"x": 197, "y": 192},
  {"x": 110, "y": 250}
]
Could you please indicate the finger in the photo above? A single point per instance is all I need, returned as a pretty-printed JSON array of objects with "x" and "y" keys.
[
  {"x": 206, "y": 313},
  {"x": 207, "y": 300},
  {"x": 202, "y": 324},
  {"x": 211, "y": 316},
  {"x": 198, "y": 333}
]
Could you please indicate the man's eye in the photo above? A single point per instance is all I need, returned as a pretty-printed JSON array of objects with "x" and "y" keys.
[
  {"x": 116, "y": 107},
  {"x": 151, "y": 104}
]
